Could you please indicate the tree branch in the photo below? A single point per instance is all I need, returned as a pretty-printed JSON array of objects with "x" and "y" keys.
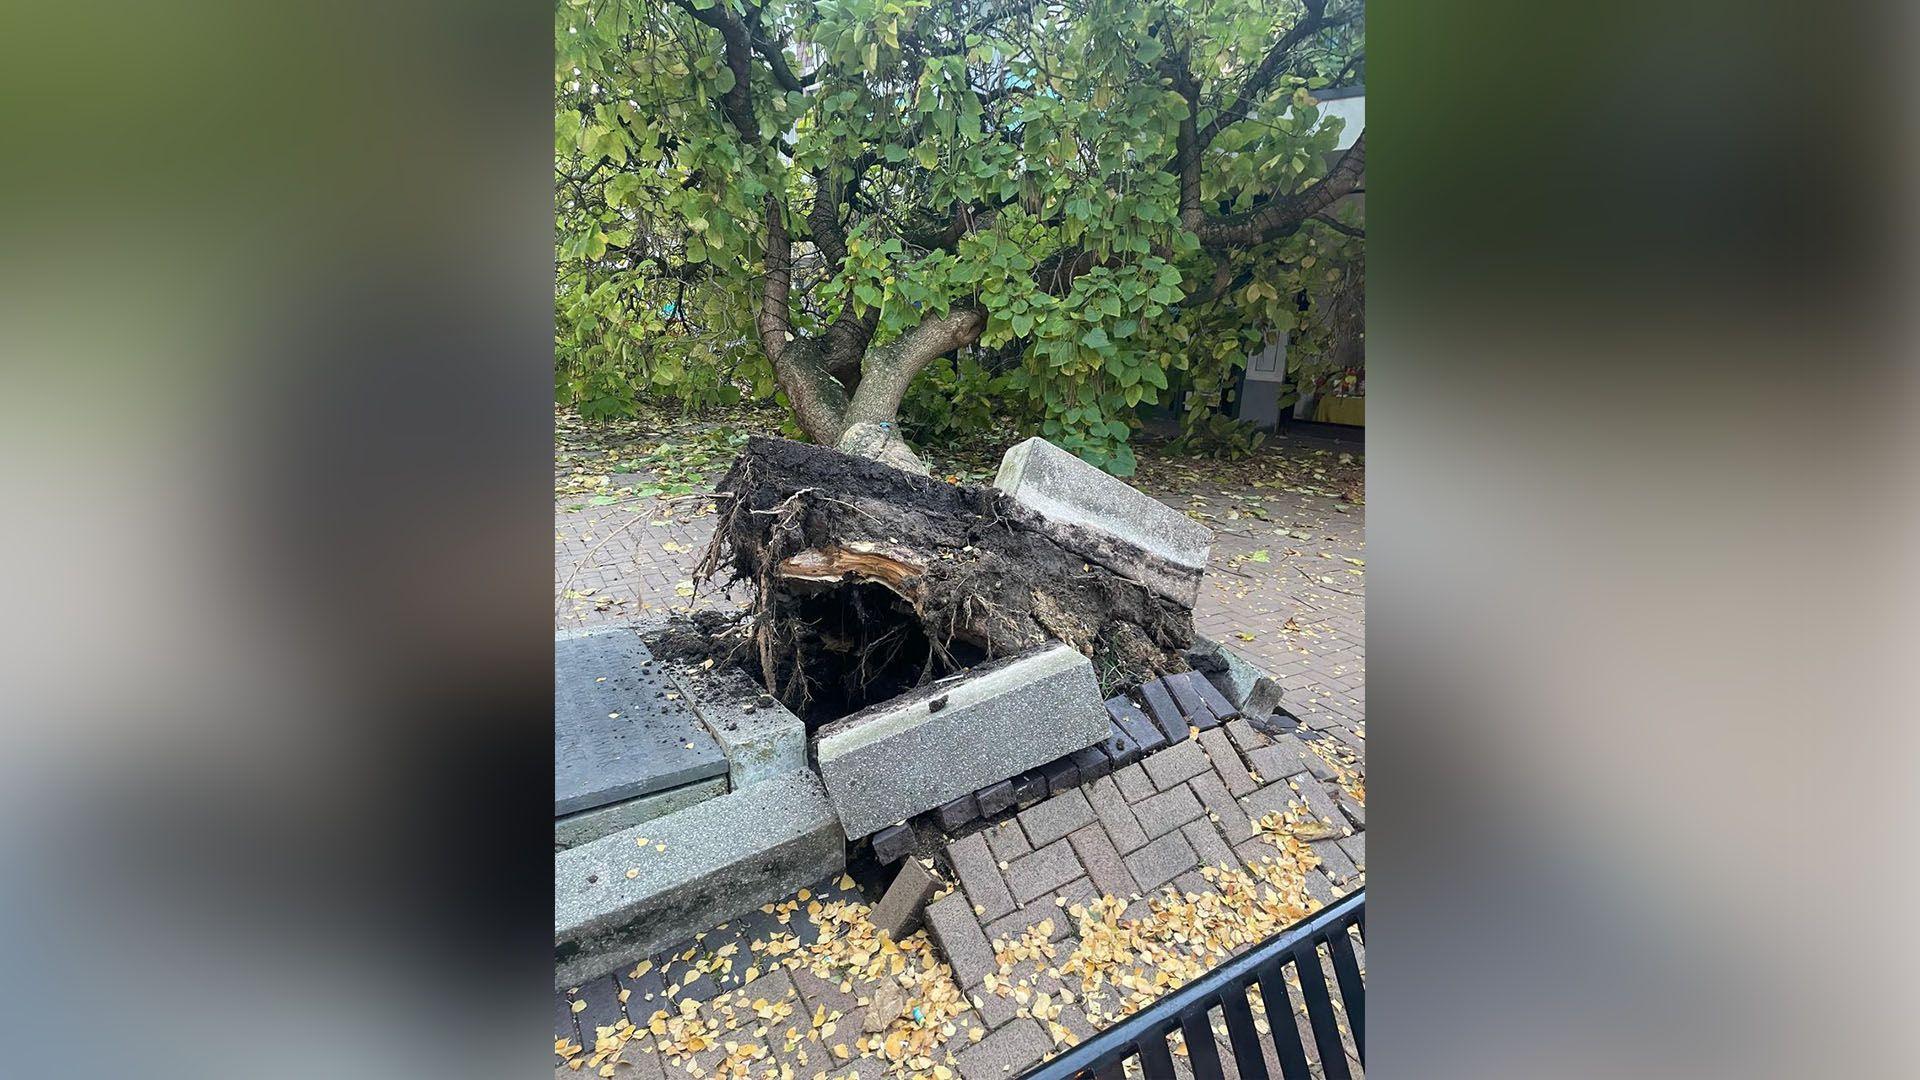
[
  {"x": 1284, "y": 215},
  {"x": 889, "y": 369},
  {"x": 1270, "y": 67}
]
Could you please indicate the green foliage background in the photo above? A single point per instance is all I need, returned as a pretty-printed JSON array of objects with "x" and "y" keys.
[{"x": 659, "y": 204}]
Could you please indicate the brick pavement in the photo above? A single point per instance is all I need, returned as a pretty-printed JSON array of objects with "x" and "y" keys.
[{"x": 1285, "y": 585}]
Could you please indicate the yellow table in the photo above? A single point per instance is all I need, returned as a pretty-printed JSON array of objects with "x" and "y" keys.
[{"x": 1341, "y": 410}]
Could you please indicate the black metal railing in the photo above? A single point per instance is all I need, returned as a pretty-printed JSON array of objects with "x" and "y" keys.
[{"x": 1307, "y": 947}]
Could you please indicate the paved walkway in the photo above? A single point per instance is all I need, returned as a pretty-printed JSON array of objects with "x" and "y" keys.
[{"x": 1071, "y": 913}]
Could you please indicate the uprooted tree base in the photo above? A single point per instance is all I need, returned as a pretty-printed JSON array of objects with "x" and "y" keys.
[{"x": 869, "y": 581}]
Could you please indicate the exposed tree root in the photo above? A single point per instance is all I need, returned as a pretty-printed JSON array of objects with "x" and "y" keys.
[{"x": 869, "y": 580}]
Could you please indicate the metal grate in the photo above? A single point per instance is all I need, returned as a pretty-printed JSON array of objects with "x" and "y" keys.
[{"x": 1310, "y": 948}]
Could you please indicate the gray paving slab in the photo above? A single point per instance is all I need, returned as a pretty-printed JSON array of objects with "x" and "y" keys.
[
  {"x": 1056, "y": 817},
  {"x": 980, "y": 877},
  {"x": 578, "y": 828},
  {"x": 616, "y": 901},
  {"x": 760, "y": 737},
  {"x": 896, "y": 759},
  {"x": 1042, "y": 870},
  {"x": 1226, "y": 762},
  {"x": 616, "y": 732},
  {"x": 1208, "y": 845},
  {"x": 1110, "y": 806},
  {"x": 1006, "y": 1052},
  {"x": 1175, "y": 765},
  {"x": 1007, "y": 840},
  {"x": 954, "y": 928},
  {"x": 1062, "y": 488},
  {"x": 1162, "y": 860},
  {"x": 1105, "y": 868},
  {"x": 1167, "y": 811}
]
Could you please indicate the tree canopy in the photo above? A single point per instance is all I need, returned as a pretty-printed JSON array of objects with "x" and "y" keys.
[{"x": 821, "y": 198}]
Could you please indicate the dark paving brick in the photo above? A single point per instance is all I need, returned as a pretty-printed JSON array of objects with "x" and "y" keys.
[
  {"x": 1093, "y": 764},
  {"x": 1174, "y": 766},
  {"x": 1110, "y": 806},
  {"x": 996, "y": 798},
  {"x": 1006, "y": 1052},
  {"x": 952, "y": 925},
  {"x": 1187, "y": 696},
  {"x": 1062, "y": 775},
  {"x": 954, "y": 814},
  {"x": 1055, "y": 818},
  {"x": 1215, "y": 701},
  {"x": 1043, "y": 870},
  {"x": 892, "y": 843},
  {"x": 1029, "y": 788},
  {"x": 1144, "y": 731},
  {"x": 1167, "y": 811},
  {"x": 1161, "y": 861},
  {"x": 979, "y": 876},
  {"x": 1134, "y": 783},
  {"x": 1105, "y": 867},
  {"x": 1354, "y": 812},
  {"x": 1226, "y": 761},
  {"x": 1166, "y": 715},
  {"x": 1120, "y": 748}
]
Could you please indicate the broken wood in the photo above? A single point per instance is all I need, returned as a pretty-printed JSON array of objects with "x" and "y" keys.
[{"x": 869, "y": 580}]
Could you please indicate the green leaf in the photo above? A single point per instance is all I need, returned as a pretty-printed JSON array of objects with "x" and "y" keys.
[{"x": 1096, "y": 338}]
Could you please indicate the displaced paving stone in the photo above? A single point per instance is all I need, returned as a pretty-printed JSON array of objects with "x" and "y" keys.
[
  {"x": 1133, "y": 783},
  {"x": 1215, "y": 701},
  {"x": 1055, "y": 818},
  {"x": 1042, "y": 870},
  {"x": 1166, "y": 715},
  {"x": 1006, "y": 1052},
  {"x": 1175, "y": 766},
  {"x": 1119, "y": 747},
  {"x": 1167, "y": 811},
  {"x": 1246, "y": 736},
  {"x": 616, "y": 734},
  {"x": 1226, "y": 761},
  {"x": 1092, "y": 763},
  {"x": 1226, "y": 668},
  {"x": 1207, "y": 844},
  {"x": 1235, "y": 820},
  {"x": 576, "y": 829},
  {"x": 995, "y": 799},
  {"x": 1061, "y": 488},
  {"x": 1161, "y": 861},
  {"x": 1187, "y": 698},
  {"x": 1144, "y": 732},
  {"x": 953, "y": 815},
  {"x": 898, "y": 913},
  {"x": 761, "y": 737},
  {"x": 1110, "y": 805},
  {"x": 708, "y": 863},
  {"x": 893, "y": 760},
  {"x": 1288, "y": 755},
  {"x": 1105, "y": 867},
  {"x": 1062, "y": 775},
  {"x": 951, "y": 923},
  {"x": 1355, "y": 813},
  {"x": 979, "y": 876},
  {"x": 892, "y": 843}
]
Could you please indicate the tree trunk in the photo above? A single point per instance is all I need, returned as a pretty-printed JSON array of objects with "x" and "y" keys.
[{"x": 869, "y": 580}]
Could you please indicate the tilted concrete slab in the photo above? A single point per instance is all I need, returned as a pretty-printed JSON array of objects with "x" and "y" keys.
[
  {"x": 620, "y": 730},
  {"x": 576, "y": 829},
  {"x": 699, "y": 867},
  {"x": 1063, "y": 489},
  {"x": 899, "y": 758}
]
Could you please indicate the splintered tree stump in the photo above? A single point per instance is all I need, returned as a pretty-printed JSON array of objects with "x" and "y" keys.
[{"x": 869, "y": 580}]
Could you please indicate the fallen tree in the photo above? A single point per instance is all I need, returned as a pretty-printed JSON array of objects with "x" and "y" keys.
[{"x": 869, "y": 580}]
